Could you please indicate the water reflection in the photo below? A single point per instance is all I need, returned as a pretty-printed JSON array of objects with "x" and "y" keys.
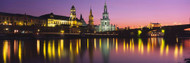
[
  {"x": 44, "y": 49},
  {"x": 38, "y": 46},
  {"x": 94, "y": 50},
  {"x": 5, "y": 51},
  {"x": 20, "y": 52}
]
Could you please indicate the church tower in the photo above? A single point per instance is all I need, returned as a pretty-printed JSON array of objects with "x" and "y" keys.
[
  {"x": 72, "y": 19},
  {"x": 105, "y": 21},
  {"x": 91, "y": 27},
  {"x": 105, "y": 13},
  {"x": 91, "y": 18}
]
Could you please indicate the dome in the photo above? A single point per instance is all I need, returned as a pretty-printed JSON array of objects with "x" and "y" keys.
[{"x": 73, "y": 7}]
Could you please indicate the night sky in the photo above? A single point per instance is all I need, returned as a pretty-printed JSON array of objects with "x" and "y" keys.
[{"x": 123, "y": 13}]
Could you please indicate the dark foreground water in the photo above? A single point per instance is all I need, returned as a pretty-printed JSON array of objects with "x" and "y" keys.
[{"x": 95, "y": 50}]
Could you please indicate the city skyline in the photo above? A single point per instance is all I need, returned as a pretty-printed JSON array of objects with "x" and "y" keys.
[
  {"x": 95, "y": 31},
  {"x": 123, "y": 13}
]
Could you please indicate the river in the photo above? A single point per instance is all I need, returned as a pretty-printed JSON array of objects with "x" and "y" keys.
[{"x": 95, "y": 50}]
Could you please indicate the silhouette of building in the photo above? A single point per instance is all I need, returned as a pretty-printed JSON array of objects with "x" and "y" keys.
[
  {"x": 20, "y": 19},
  {"x": 82, "y": 20},
  {"x": 105, "y": 22}
]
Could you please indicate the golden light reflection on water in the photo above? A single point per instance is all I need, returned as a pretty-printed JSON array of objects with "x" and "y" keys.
[
  {"x": 181, "y": 50},
  {"x": 140, "y": 46},
  {"x": 100, "y": 43},
  {"x": 124, "y": 45},
  {"x": 70, "y": 47},
  {"x": 113, "y": 41},
  {"x": 53, "y": 49},
  {"x": 154, "y": 43},
  {"x": 62, "y": 49},
  {"x": 71, "y": 52},
  {"x": 127, "y": 46},
  {"x": 52, "y": 52},
  {"x": 79, "y": 43},
  {"x": 5, "y": 50},
  {"x": 148, "y": 46},
  {"x": 44, "y": 49},
  {"x": 20, "y": 52},
  {"x": 167, "y": 50},
  {"x": 108, "y": 43},
  {"x": 38, "y": 46},
  {"x": 59, "y": 50},
  {"x": 15, "y": 47},
  {"x": 87, "y": 43},
  {"x": 116, "y": 45},
  {"x": 162, "y": 46},
  {"x": 62, "y": 43},
  {"x": 176, "y": 52},
  {"x": 49, "y": 50},
  {"x": 132, "y": 45},
  {"x": 77, "y": 47},
  {"x": 95, "y": 43}
]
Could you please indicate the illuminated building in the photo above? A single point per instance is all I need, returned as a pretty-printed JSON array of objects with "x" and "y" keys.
[
  {"x": 91, "y": 22},
  {"x": 50, "y": 20},
  {"x": 54, "y": 20},
  {"x": 73, "y": 19},
  {"x": 20, "y": 19},
  {"x": 151, "y": 25},
  {"x": 105, "y": 22}
]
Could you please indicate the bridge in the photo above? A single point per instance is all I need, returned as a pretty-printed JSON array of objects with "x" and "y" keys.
[{"x": 165, "y": 31}]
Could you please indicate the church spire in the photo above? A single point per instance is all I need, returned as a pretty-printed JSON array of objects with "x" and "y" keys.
[
  {"x": 91, "y": 22},
  {"x": 91, "y": 18},
  {"x": 105, "y": 21},
  {"x": 105, "y": 13},
  {"x": 72, "y": 18},
  {"x": 105, "y": 7},
  {"x": 81, "y": 16},
  {"x": 91, "y": 12}
]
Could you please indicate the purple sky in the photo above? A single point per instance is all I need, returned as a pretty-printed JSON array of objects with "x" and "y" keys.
[{"x": 122, "y": 12}]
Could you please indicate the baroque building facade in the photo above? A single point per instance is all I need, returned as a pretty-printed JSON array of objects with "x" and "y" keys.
[
  {"x": 54, "y": 20},
  {"x": 105, "y": 22},
  {"x": 48, "y": 20}
]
